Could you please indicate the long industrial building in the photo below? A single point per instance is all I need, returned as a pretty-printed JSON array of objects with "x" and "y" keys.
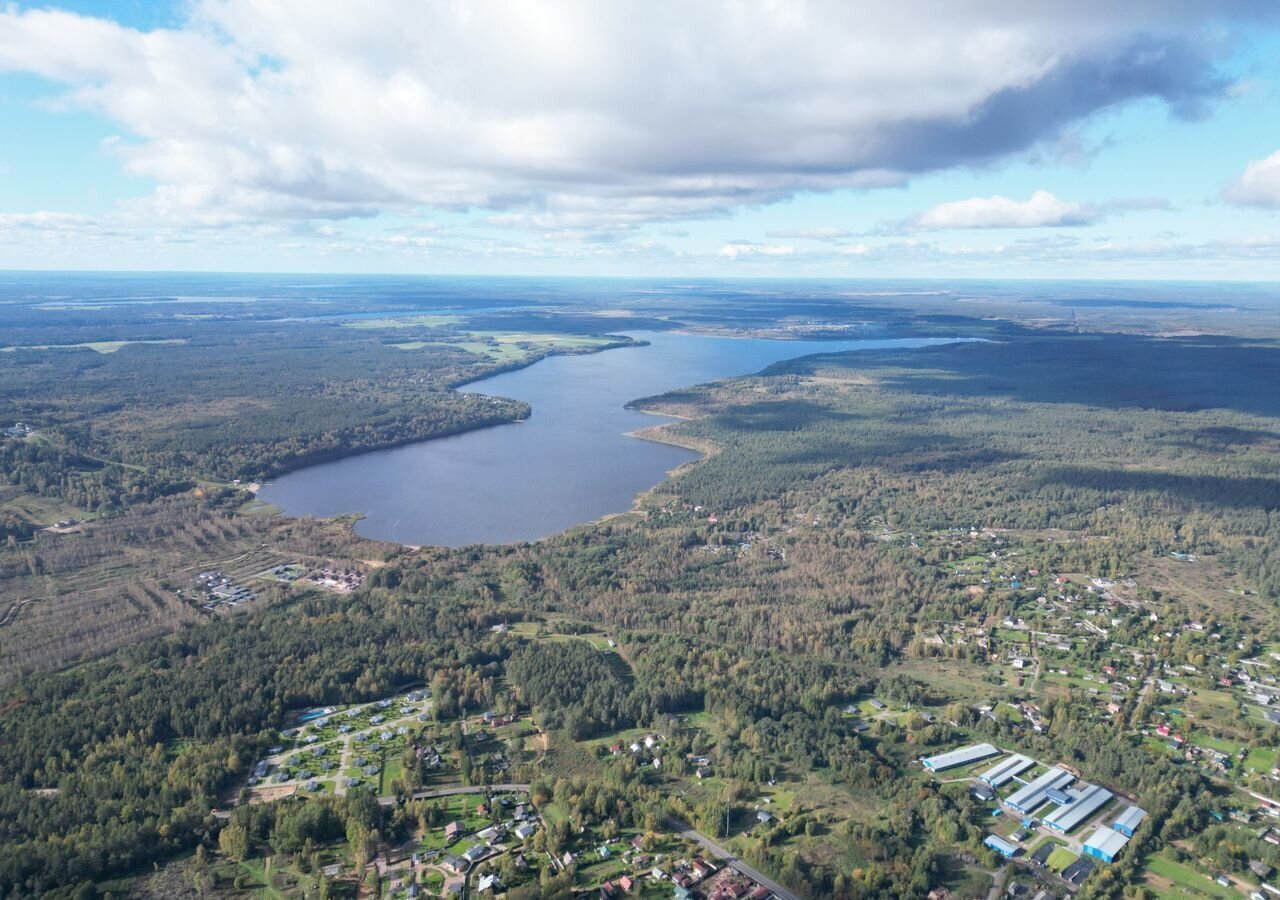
[
  {"x": 1030, "y": 796},
  {"x": 960, "y": 757},
  {"x": 1105, "y": 844},
  {"x": 1006, "y": 769},
  {"x": 1001, "y": 846},
  {"x": 1085, "y": 801}
]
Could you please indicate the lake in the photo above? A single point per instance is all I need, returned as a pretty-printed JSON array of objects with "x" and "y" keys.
[{"x": 571, "y": 462}]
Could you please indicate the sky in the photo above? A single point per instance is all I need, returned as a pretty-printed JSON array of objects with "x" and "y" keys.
[{"x": 988, "y": 138}]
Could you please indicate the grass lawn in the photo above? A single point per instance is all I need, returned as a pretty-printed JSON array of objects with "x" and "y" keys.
[
  {"x": 783, "y": 799},
  {"x": 554, "y": 813},
  {"x": 1261, "y": 759},
  {"x": 258, "y": 879},
  {"x": 391, "y": 770},
  {"x": 1012, "y": 636},
  {"x": 701, "y": 720},
  {"x": 1014, "y": 714},
  {"x": 868, "y": 711},
  {"x": 434, "y": 839},
  {"x": 1211, "y": 703},
  {"x": 626, "y": 738},
  {"x": 1061, "y": 858},
  {"x": 593, "y": 871},
  {"x": 462, "y": 808},
  {"x": 1201, "y": 739},
  {"x": 1173, "y": 879},
  {"x": 1068, "y": 681}
]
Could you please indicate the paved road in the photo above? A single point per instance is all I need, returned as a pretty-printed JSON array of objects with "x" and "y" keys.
[
  {"x": 461, "y": 789},
  {"x": 732, "y": 861},
  {"x": 997, "y": 883}
]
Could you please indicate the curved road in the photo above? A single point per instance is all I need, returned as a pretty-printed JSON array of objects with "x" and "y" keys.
[
  {"x": 997, "y": 883},
  {"x": 688, "y": 833}
]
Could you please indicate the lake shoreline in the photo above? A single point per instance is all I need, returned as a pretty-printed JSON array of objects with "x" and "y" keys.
[
  {"x": 579, "y": 460},
  {"x": 338, "y": 454}
]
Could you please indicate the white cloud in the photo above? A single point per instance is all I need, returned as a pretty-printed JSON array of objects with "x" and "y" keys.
[
  {"x": 1259, "y": 185},
  {"x": 1041, "y": 210},
  {"x": 820, "y": 233},
  {"x": 747, "y": 249},
  {"x": 43, "y": 221},
  {"x": 579, "y": 115}
]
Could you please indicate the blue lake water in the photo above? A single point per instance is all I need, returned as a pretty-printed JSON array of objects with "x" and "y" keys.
[{"x": 571, "y": 462}]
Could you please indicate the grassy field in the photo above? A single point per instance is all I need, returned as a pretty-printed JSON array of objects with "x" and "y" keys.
[
  {"x": 1207, "y": 582},
  {"x": 1261, "y": 759},
  {"x": 34, "y": 508},
  {"x": 495, "y": 352},
  {"x": 597, "y": 639},
  {"x": 547, "y": 339},
  {"x": 506, "y": 346},
  {"x": 953, "y": 676},
  {"x": 1201, "y": 739},
  {"x": 254, "y": 868},
  {"x": 1173, "y": 879},
  {"x": 405, "y": 322},
  {"x": 392, "y": 769},
  {"x": 1061, "y": 858}
]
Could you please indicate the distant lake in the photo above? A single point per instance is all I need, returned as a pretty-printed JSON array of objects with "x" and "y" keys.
[{"x": 571, "y": 462}]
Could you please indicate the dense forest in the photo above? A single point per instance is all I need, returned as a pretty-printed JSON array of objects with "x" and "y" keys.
[
  {"x": 218, "y": 394},
  {"x": 244, "y": 404},
  {"x": 1166, "y": 443}
]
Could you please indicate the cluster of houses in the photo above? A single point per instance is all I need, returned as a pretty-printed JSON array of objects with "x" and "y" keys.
[
  {"x": 690, "y": 879},
  {"x": 219, "y": 589},
  {"x": 19, "y": 430},
  {"x": 686, "y": 873},
  {"x": 260, "y": 771},
  {"x": 1070, "y": 801},
  {"x": 1210, "y": 757},
  {"x": 701, "y": 766},
  {"x": 726, "y": 884},
  {"x": 492, "y": 840},
  {"x": 494, "y": 720},
  {"x": 286, "y": 572},
  {"x": 646, "y": 751},
  {"x": 623, "y": 885},
  {"x": 341, "y": 580}
]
